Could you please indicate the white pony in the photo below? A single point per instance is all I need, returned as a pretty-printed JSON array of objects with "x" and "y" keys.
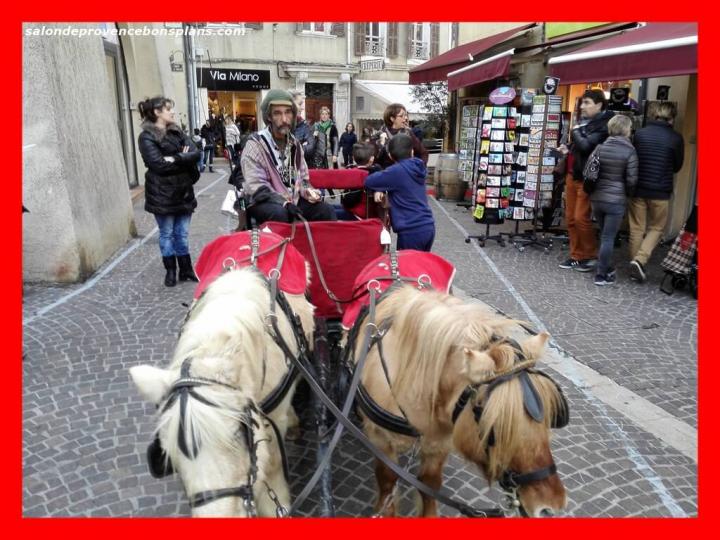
[{"x": 229, "y": 352}]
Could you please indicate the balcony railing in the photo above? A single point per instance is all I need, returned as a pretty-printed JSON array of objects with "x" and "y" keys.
[
  {"x": 419, "y": 51},
  {"x": 375, "y": 47}
]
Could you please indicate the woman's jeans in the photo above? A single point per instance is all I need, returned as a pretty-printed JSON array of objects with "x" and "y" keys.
[
  {"x": 173, "y": 234},
  {"x": 609, "y": 217},
  {"x": 209, "y": 154}
]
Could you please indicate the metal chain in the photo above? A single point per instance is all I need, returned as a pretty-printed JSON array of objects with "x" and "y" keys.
[
  {"x": 510, "y": 503},
  {"x": 280, "y": 510},
  {"x": 391, "y": 496}
]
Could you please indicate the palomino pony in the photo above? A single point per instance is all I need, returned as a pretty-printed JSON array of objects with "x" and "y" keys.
[
  {"x": 226, "y": 451},
  {"x": 448, "y": 372}
]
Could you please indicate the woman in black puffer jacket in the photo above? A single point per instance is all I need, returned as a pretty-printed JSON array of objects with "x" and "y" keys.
[
  {"x": 616, "y": 182},
  {"x": 169, "y": 195}
]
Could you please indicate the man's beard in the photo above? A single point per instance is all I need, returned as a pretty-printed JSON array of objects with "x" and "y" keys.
[{"x": 281, "y": 131}]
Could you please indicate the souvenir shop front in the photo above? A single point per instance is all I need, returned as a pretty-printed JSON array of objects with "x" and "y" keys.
[{"x": 653, "y": 63}]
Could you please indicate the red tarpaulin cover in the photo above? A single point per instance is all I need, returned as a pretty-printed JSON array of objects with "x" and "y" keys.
[
  {"x": 343, "y": 249},
  {"x": 237, "y": 246},
  {"x": 437, "y": 68},
  {"x": 663, "y": 62},
  {"x": 411, "y": 263}
]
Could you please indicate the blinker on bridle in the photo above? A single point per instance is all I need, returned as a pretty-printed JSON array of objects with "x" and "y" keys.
[{"x": 161, "y": 466}]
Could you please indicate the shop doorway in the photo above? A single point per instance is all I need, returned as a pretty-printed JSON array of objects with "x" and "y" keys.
[
  {"x": 240, "y": 106},
  {"x": 317, "y": 95}
]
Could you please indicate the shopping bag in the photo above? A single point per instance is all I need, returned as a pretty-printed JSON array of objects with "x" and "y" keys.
[{"x": 228, "y": 205}]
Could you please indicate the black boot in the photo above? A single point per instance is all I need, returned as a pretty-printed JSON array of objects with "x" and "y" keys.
[
  {"x": 171, "y": 267},
  {"x": 186, "y": 272}
]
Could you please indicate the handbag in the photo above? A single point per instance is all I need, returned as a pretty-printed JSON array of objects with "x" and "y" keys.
[
  {"x": 228, "y": 205},
  {"x": 591, "y": 172}
]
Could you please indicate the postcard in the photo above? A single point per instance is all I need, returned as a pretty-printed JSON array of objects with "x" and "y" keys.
[
  {"x": 511, "y": 135},
  {"x": 497, "y": 135},
  {"x": 492, "y": 203},
  {"x": 495, "y": 170},
  {"x": 497, "y": 147},
  {"x": 548, "y": 161},
  {"x": 483, "y": 163},
  {"x": 498, "y": 123},
  {"x": 547, "y": 178},
  {"x": 509, "y": 147},
  {"x": 479, "y": 211},
  {"x": 500, "y": 112},
  {"x": 493, "y": 180},
  {"x": 506, "y": 180},
  {"x": 524, "y": 139},
  {"x": 520, "y": 178},
  {"x": 485, "y": 131},
  {"x": 518, "y": 213},
  {"x": 529, "y": 213},
  {"x": 493, "y": 192},
  {"x": 553, "y": 117},
  {"x": 496, "y": 158},
  {"x": 511, "y": 123},
  {"x": 508, "y": 158},
  {"x": 529, "y": 202},
  {"x": 480, "y": 197},
  {"x": 487, "y": 113},
  {"x": 522, "y": 159},
  {"x": 547, "y": 169},
  {"x": 484, "y": 147},
  {"x": 482, "y": 179}
]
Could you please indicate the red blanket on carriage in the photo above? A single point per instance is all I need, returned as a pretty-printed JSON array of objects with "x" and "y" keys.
[
  {"x": 235, "y": 250},
  {"x": 436, "y": 271},
  {"x": 343, "y": 249}
]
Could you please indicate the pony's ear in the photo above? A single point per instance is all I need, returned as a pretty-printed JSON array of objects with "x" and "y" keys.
[
  {"x": 535, "y": 346},
  {"x": 152, "y": 383},
  {"x": 477, "y": 365}
]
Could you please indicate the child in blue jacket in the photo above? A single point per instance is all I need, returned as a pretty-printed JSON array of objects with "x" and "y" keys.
[{"x": 404, "y": 181}]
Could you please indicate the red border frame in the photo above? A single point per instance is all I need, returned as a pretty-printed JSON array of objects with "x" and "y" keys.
[{"x": 351, "y": 11}]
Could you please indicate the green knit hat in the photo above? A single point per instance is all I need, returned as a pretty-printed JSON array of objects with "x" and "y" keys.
[{"x": 277, "y": 97}]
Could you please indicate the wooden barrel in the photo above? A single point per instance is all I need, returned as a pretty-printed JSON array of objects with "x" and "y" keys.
[{"x": 450, "y": 185}]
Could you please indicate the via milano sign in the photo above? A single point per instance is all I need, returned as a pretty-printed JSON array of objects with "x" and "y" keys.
[{"x": 233, "y": 79}]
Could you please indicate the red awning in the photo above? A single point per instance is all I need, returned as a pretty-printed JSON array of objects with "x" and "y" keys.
[
  {"x": 653, "y": 50},
  {"x": 492, "y": 68},
  {"x": 437, "y": 68}
]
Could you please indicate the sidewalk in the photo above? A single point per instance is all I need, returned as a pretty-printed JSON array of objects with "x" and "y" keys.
[{"x": 85, "y": 428}]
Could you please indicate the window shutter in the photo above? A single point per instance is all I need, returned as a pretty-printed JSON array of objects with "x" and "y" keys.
[
  {"x": 434, "y": 39},
  {"x": 392, "y": 36},
  {"x": 337, "y": 29},
  {"x": 360, "y": 31},
  {"x": 254, "y": 25}
]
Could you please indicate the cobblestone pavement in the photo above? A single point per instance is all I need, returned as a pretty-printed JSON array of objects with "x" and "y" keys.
[{"x": 85, "y": 429}]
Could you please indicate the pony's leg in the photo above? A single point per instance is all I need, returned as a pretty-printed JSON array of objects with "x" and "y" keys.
[
  {"x": 431, "y": 468},
  {"x": 386, "y": 480}
]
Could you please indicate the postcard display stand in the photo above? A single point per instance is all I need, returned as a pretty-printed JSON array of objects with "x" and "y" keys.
[
  {"x": 533, "y": 179},
  {"x": 469, "y": 146},
  {"x": 492, "y": 189}
]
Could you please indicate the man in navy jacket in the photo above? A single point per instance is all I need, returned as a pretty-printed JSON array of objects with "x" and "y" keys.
[{"x": 660, "y": 151}]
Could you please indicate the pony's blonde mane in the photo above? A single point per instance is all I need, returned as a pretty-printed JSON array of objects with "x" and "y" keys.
[{"x": 432, "y": 327}]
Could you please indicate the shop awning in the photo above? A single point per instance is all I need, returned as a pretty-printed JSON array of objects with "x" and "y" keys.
[
  {"x": 652, "y": 50},
  {"x": 485, "y": 70},
  {"x": 437, "y": 68},
  {"x": 380, "y": 94}
]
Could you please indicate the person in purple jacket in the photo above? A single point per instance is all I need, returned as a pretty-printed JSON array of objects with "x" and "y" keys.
[{"x": 404, "y": 182}]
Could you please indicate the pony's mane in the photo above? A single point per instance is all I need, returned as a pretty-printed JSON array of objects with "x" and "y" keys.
[
  {"x": 432, "y": 327},
  {"x": 504, "y": 416},
  {"x": 224, "y": 335}
]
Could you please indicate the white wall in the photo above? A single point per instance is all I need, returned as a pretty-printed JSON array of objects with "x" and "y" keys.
[{"x": 74, "y": 178}]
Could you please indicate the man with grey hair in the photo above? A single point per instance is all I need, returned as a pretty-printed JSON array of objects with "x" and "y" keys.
[{"x": 660, "y": 150}]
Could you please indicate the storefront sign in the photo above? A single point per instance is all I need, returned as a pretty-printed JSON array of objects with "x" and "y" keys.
[
  {"x": 372, "y": 65},
  {"x": 502, "y": 95},
  {"x": 233, "y": 79},
  {"x": 550, "y": 85}
]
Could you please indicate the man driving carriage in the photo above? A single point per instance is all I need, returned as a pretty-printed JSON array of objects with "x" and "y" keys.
[{"x": 276, "y": 174}]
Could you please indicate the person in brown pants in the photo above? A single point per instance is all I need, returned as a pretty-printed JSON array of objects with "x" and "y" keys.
[{"x": 584, "y": 138}]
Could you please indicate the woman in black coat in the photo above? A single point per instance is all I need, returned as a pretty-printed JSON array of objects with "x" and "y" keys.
[
  {"x": 616, "y": 182},
  {"x": 347, "y": 141},
  {"x": 171, "y": 161}
]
